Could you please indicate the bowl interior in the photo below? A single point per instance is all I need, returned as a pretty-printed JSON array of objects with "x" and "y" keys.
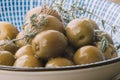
[
  {"x": 75, "y": 67},
  {"x": 101, "y": 11}
]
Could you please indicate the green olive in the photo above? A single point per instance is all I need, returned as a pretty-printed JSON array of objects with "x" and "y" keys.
[
  {"x": 49, "y": 43},
  {"x": 110, "y": 51},
  {"x": 50, "y": 23},
  {"x": 21, "y": 41},
  {"x": 88, "y": 54},
  {"x": 80, "y": 32},
  {"x": 100, "y": 34},
  {"x": 32, "y": 11},
  {"x": 69, "y": 52},
  {"x": 7, "y": 31},
  {"x": 27, "y": 61},
  {"x": 25, "y": 50},
  {"x": 42, "y": 10},
  {"x": 59, "y": 62},
  {"x": 8, "y": 47},
  {"x": 93, "y": 23},
  {"x": 6, "y": 58}
]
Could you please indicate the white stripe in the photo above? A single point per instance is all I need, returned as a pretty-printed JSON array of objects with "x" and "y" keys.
[
  {"x": 117, "y": 18},
  {"x": 92, "y": 8},
  {"x": 31, "y": 4},
  {"x": 112, "y": 15},
  {"x": 108, "y": 12}
]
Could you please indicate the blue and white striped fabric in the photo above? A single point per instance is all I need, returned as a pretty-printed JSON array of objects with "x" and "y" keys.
[{"x": 14, "y": 11}]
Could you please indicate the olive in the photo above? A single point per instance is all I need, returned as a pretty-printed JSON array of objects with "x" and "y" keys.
[
  {"x": 69, "y": 52},
  {"x": 100, "y": 34},
  {"x": 58, "y": 62},
  {"x": 6, "y": 58},
  {"x": 20, "y": 40},
  {"x": 42, "y": 10},
  {"x": 48, "y": 23},
  {"x": 27, "y": 61},
  {"x": 32, "y": 11},
  {"x": 7, "y": 31},
  {"x": 49, "y": 43},
  {"x": 93, "y": 23},
  {"x": 25, "y": 50},
  {"x": 80, "y": 32},
  {"x": 88, "y": 54},
  {"x": 11, "y": 47},
  {"x": 109, "y": 52}
]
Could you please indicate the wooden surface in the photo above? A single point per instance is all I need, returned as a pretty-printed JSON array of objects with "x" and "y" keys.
[{"x": 115, "y": 1}]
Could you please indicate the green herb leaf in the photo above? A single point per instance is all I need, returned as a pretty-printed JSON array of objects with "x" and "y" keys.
[{"x": 103, "y": 24}]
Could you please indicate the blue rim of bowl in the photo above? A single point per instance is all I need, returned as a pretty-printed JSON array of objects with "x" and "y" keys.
[{"x": 75, "y": 67}]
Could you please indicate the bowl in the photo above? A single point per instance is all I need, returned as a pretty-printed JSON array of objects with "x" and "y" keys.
[
  {"x": 105, "y": 13},
  {"x": 104, "y": 70}
]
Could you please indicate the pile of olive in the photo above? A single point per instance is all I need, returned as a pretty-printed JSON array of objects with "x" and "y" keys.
[{"x": 54, "y": 45}]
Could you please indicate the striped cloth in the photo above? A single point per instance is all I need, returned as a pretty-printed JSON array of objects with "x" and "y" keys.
[{"x": 14, "y": 11}]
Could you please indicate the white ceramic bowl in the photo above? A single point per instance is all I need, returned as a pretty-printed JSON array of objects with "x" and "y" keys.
[
  {"x": 14, "y": 10},
  {"x": 104, "y": 70}
]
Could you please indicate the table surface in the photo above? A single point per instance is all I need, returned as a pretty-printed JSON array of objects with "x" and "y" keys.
[{"x": 115, "y": 1}]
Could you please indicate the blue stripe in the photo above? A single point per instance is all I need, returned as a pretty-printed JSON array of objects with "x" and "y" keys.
[
  {"x": 14, "y": 11},
  {"x": 100, "y": 9}
]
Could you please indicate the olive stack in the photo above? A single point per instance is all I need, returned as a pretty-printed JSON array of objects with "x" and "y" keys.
[{"x": 45, "y": 41}]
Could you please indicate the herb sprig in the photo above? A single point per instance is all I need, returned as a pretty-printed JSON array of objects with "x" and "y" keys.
[{"x": 36, "y": 22}]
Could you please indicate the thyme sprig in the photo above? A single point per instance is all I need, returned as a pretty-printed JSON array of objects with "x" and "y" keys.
[
  {"x": 12, "y": 41},
  {"x": 101, "y": 36},
  {"x": 71, "y": 13},
  {"x": 36, "y": 22}
]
